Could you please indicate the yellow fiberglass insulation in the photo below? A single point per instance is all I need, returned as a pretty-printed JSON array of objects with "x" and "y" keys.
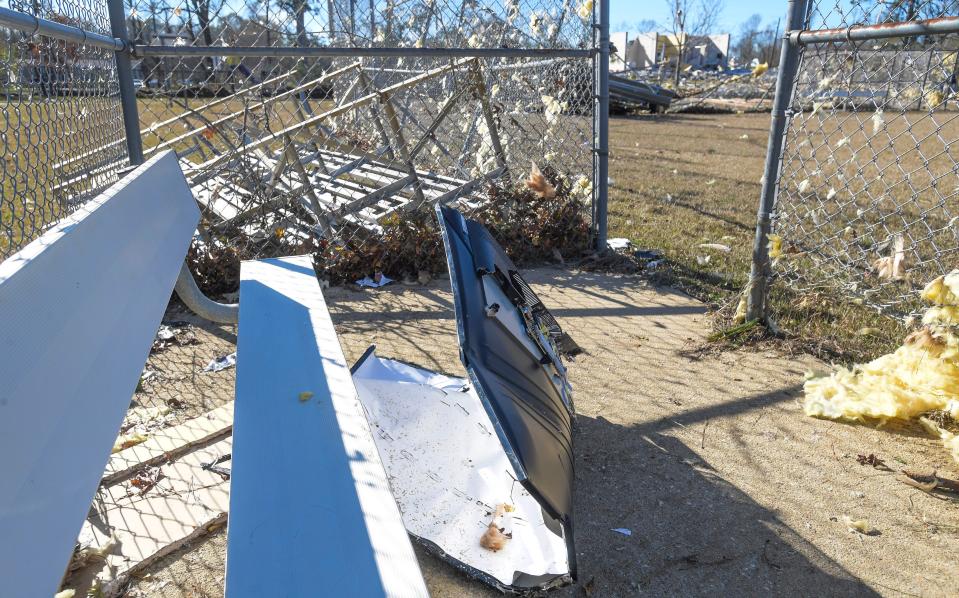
[{"x": 920, "y": 376}]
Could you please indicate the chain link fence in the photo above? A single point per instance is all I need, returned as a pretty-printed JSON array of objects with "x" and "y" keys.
[
  {"x": 866, "y": 189},
  {"x": 291, "y": 149},
  {"x": 60, "y": 98}
]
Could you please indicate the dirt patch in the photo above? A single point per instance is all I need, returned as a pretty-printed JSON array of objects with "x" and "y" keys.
[{"x": 726, "y": 487}]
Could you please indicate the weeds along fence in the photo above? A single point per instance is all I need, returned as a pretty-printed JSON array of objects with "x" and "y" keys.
[
  {"x": 860, "y": 200},
  {"x": 328, "y": 127}
]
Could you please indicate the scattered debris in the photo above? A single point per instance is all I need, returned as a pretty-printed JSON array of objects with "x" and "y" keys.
[
  {"x": 176, "y": 334},
  {"x": 716, "y": 247},
  {"x": 622, "y": 530},
  {"x": 860, "y": 526},
  {"x": 618, "y": 244},
  {"x": 871, "y": 460},
  {"x": 538, "y": 184},
  {"x": 878, "y": 121},
  {"x": 775, "y": 246},
  {"x": 146, "y": 478},
  {"x": 927, "y": 482},
  {"x": 221, "y": 363},
  {"x": 68, "y": 593},
  {"x": 130, "y": 531},
  {"x": 740, "y": 316},
  {"x": 891, "y": 267},
  {"x": 949, "y": 440},
  {"x": 649, "y": 254},
  {"x": 214, "y": 466},
  {"x": 125, "y": 441},
  {"x": 379, "y": 280},
  {"x": 921, "y": 376},
  {"x": 86, "y": 554},
  {"x": 305, "y": 396},
  {"x": 495, "y": 536}
]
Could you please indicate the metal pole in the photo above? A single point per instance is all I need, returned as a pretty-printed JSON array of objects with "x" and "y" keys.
[
  {"x": 601, "y": 149},
  {"x": 789, "y": 60},
  {"x": 185, "y": 287},
  {"x": 128, "y": 95}
]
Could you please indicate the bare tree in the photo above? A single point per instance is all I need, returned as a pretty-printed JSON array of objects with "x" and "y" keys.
[{"x": 691, "y": 18}]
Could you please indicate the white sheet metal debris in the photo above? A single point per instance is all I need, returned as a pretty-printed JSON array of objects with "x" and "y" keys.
[{"x": 451, "y": 476}]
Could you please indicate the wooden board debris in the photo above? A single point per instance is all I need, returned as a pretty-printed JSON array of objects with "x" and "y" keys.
[
  {"x": 136, "y": 522},
  {"x": 170, "y": 442}
]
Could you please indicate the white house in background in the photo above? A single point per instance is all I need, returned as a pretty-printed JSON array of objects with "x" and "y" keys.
[{"x": 649, "y": 50}]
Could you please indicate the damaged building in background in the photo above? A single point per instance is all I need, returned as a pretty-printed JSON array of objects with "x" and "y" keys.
[{"x": 650, "y": 50}]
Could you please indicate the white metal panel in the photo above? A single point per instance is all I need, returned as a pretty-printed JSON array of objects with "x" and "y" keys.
[
  {"x": 311, "y": 512},
  {"x": 79, "y": 308},
  {"x": 449, "y": 472}
]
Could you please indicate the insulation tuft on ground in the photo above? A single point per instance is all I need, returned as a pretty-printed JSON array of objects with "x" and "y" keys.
[{"x": 919, "y": 377}]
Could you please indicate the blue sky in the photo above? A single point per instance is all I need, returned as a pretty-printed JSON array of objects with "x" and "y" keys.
[{"x": 734, "y": 13}]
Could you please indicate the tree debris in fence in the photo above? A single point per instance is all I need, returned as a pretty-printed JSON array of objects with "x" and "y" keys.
[
  {"x": 127, "y": 531},
  {"x": 538, "y": 184},
  {"x": 920, "y": 377}
]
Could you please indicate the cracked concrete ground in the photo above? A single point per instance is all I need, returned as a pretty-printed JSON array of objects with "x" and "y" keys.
[{"x": 727, "y": 487}]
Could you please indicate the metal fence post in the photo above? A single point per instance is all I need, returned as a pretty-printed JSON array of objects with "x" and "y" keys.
[
  {"x": 601, "y": 142},
  {"x": 128, "y": 94},
  {"x": 789, "y": 60}
]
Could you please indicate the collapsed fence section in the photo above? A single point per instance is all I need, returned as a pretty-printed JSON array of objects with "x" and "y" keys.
[
  {"x": 331, "y": 128},
  {"x": 295, "y": 147},
  {"x": 862, "y": 160}
]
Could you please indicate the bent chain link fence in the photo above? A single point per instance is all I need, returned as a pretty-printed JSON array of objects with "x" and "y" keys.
[
  {"x": 344, "y": 156},
  {"x": 866, "y": 209}
]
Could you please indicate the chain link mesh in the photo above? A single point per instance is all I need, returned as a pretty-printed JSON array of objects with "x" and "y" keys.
[
  {"x": 59, "y": 99},
  {"x": 867, "y": 193},
  {"x": 344, "y": 157}
]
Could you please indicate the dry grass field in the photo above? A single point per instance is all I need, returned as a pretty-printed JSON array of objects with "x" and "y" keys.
[{"x": 687, "y": 180}]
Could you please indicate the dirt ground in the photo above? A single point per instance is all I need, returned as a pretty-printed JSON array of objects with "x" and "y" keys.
[{"x": 705, "y": 456}]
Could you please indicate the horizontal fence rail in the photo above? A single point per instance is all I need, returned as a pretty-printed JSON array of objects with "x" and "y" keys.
[
  {"x": 335, "y": 52},
  {"x": 37, "y": 26},
  {"x": 854, "y": 33}
]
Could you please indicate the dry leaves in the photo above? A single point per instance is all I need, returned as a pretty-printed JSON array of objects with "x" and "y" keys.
[{"x": 538, "y": 184}]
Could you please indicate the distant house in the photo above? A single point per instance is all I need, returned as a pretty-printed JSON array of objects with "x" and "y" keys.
[{"x": 650, "y": 50}]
